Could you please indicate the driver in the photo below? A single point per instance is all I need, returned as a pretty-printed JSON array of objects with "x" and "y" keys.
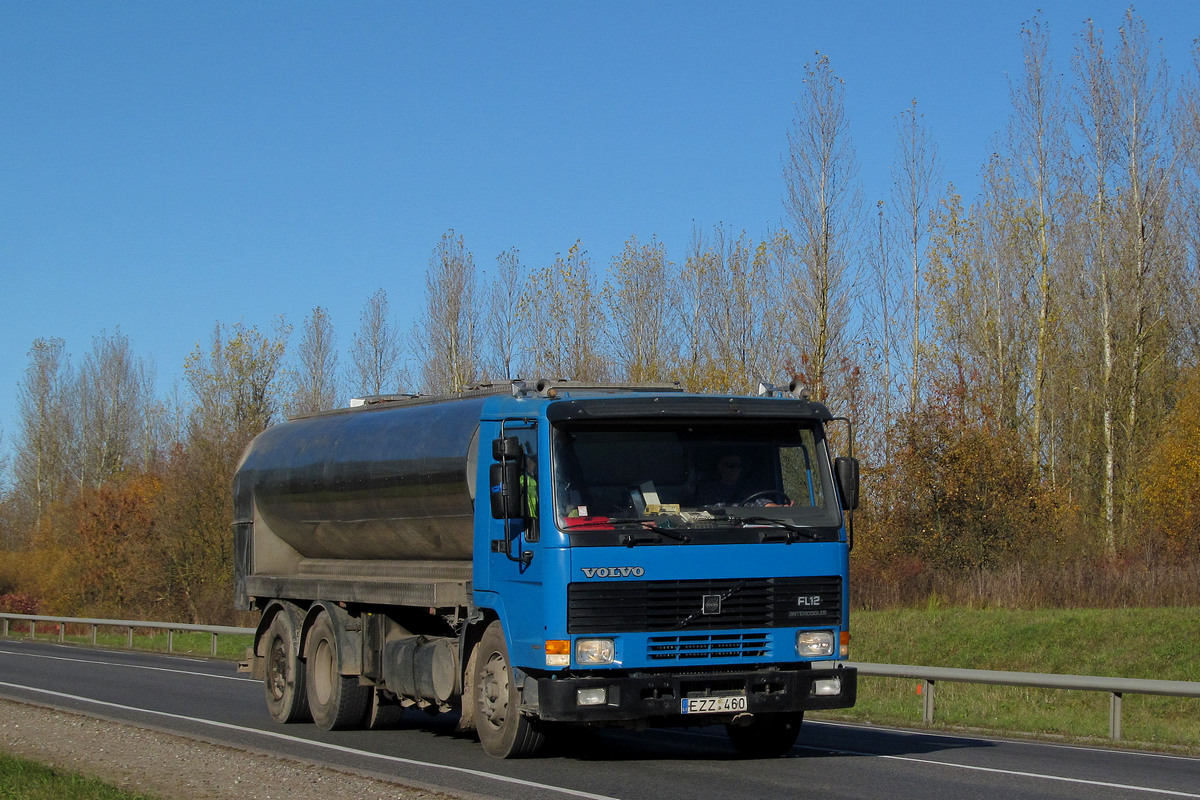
[{"x": 729, "y": 489}]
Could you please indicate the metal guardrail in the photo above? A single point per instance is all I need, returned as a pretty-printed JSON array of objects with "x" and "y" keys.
[
  {"x": 1115, "y": 687},
  {"x": 129, "y": 624}
]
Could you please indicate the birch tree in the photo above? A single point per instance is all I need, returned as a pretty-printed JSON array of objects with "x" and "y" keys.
[
  {"x": 114, "y": 396},
  {"x": 914, "y": 176},
  {"x": 314, "y": 377},
  {"x": 505, "y": 327},
  {"x": 447, "y": 336},
  {"x": 823, "y": 201},
  {"x": 565, "y": 317},
  {"x": 645, "y": 322},
  {"x": 45, "y": 436},
  {"x": 375, "y": 350}
]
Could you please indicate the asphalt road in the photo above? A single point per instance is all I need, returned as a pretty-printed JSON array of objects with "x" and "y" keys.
[{"x": 210, "y": 700}]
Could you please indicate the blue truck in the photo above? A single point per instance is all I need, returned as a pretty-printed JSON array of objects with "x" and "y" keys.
[{"x": 535, "y": 555}]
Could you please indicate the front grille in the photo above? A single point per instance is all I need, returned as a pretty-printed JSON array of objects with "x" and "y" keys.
[
  {"x": 707, "y": 647},
  {"x": 703, "y": 605}
]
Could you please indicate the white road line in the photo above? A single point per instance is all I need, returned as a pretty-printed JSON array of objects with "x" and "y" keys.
[
  {"x": 994, "y": 770},
  {"x": 1013, "y": 773},
  {"x": 322, "y": 745},
  {"x": 1039, "y": 743},
  {"x": 128, "y": 666}
]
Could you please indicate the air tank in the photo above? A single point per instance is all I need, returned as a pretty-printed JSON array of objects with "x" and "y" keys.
[{"x": 384, "y": 481}]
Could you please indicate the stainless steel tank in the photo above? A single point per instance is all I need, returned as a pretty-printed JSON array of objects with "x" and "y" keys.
[{"x": 392, "y": 481}]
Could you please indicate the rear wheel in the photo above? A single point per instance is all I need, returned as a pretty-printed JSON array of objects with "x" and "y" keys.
[
  {"x": 503, "y": 730},
  {"x": 337, "y": 701},
  {"x": 285, "y": 679},
  {"x": 382, "y": 712},
  {"x": 767, "y": 736}
]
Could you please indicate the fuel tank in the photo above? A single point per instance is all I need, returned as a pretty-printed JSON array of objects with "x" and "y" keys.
[{"x": 384, "y": 481}]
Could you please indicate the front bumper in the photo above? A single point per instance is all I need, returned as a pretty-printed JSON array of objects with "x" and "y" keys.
[{"x": 659, "y": 697}]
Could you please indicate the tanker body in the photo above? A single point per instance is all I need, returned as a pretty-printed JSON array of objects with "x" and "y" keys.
[{"x": 547, "y": 555}]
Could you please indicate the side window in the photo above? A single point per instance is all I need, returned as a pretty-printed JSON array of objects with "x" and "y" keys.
[{"x": 527, "y": 437}]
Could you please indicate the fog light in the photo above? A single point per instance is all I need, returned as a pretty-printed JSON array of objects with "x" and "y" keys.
[
  {"x": 829, "y": 687},
  {"x": 558, "y": 652},
  {"x": 591, "y": 697},
  {"x": 814, "y": 644},
  {"x": 595, "y": 651}
]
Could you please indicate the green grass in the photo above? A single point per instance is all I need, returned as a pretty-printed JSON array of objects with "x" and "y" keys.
[
  {"x": 26, "y": 780},
  {"x": 1129, "y": 643},
  {"x": 229, "y": 647}
]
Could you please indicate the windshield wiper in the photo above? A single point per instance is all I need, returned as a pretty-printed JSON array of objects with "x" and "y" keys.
[
  {"x": 791, "y": 533},
  {"x": 630, "y": 539}
]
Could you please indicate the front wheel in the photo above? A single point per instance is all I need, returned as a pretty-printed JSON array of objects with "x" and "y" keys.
[
  {"x": 504, "y": 731},
  {"x": 767, "y": 736}
]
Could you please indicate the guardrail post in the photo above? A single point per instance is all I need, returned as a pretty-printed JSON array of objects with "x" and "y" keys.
[
  {"x": 1114, "y": 716},
  {"x": 927, "y": 702}
]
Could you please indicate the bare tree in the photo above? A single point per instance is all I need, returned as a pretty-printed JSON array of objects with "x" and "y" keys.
[
  {"x": 644, "y": 327},
  {"x": 823, "y": 201},
  {"x": 914, "y": 175},
  {"x": 45, "y": 431},
  {"x": 565, "y": 320},
  {"x": 505, "y": 327},
  {"x": 314, "y": 377},
  {"x": 1038, "y": 144},
  {"x": 448, "y": 333},
  {"x": 235, "y": 382},
  {"x": 114, "y": 394},
  {"x": 375, "y": 351},
  {"x": 1128, "y": 266}
]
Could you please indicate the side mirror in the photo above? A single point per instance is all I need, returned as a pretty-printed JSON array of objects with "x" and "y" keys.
[
  {"x": 846, "y": 470},
  {"x": 505, "y": 489},
  {"x": 504, "y": 478}
]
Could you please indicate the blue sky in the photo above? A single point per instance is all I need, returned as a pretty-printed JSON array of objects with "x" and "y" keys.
[{"x": 165, "y": 166}]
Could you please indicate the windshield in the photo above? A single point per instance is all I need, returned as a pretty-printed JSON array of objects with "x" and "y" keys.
[{"x": 693, "y": 475}]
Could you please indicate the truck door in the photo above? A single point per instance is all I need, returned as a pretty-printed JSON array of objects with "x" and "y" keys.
[{"x": 514, "y": 569}]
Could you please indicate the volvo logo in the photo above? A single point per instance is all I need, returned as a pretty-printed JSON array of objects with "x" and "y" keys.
[{"x": 613, "y": 572}]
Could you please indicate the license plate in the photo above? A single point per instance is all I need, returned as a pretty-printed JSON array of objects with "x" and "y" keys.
[{"x": 714, "y": 705}]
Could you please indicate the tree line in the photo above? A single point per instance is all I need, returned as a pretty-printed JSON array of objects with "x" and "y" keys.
[{"x": 1022, "y": 365}]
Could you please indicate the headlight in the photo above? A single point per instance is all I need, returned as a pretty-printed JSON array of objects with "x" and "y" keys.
[
  {"x": 814, "y": 644},
  {"x": 595, "y": 651}
]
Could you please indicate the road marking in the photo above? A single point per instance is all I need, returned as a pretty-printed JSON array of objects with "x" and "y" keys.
[
  {"x": 994, "y": 770},
  {"x": 322, "y": 745},
  {"x": 129, "y": 666}
]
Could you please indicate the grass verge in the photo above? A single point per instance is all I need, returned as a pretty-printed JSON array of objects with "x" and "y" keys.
[
  {"x": 1157, "y": 643},
  {"x": 28, "y": 780}
]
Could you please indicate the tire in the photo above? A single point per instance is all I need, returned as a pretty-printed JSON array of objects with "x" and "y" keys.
[
  {"x": 768, "y": 736},
  {"x": 336, "y": 701},
  {"x": 503, "y": 730},
  {"x": 284, "y": 682},
  {"x": 382, "y": 713}
]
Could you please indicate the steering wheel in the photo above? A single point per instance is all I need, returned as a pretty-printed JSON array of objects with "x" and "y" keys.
[{"x": 775, "y": 494}]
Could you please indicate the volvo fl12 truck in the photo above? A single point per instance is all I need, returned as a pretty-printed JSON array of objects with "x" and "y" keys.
[{"x": 554, "y": 554}]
